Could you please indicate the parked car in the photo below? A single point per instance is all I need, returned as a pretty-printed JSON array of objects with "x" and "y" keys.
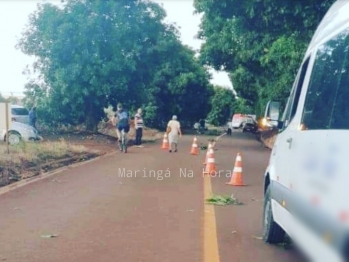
[
  {"x": 20, "y": 114},
  {"x": 19, "y": 132},
  {"x": 249, "y": 125},
  {"x": 237, "y": 120},
  {"x": 306, "y": 181}
]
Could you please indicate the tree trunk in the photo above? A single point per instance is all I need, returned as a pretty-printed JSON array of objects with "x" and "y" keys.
[{"x": 91, "y": 121}]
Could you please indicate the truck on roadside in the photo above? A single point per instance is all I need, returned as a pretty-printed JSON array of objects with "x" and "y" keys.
[{"x": 306, "y": 182}]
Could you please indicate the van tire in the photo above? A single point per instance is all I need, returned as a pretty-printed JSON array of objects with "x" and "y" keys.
[{"x": 272, "y": 232}]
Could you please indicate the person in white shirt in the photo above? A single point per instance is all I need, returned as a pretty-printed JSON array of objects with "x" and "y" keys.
[
  {"x": 175, "y": 133},
  {"x": 139, "y": 127}
]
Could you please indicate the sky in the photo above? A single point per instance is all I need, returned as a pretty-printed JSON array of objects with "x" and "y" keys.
[{"x": 14, "y": 16}]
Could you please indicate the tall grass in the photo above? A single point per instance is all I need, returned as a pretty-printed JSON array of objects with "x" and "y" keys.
[{"x": 39, "y": 152}]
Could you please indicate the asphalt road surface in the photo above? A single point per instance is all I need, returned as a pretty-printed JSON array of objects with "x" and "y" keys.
[{"x": 146, "y": 205}]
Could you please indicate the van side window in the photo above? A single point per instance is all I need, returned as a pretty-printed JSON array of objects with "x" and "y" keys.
[
  {"x": 327, "y": 101},
  {"x": 293, "y": 99}
]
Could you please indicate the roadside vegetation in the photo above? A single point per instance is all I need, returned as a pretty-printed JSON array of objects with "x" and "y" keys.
[
  {"x": 31, "y": 159},
  {"x": 91, "y": 55},
  {"x": 94, "y": 54},
  {"x": 260, "y": 43}
]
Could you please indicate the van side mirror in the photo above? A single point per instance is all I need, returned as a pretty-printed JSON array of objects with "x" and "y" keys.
[{"x": 271, "y": 114}]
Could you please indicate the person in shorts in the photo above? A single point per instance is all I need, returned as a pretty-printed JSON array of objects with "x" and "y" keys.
[
  {"x": 174, "y": 134},
  {"x": 121, "y": 121}
]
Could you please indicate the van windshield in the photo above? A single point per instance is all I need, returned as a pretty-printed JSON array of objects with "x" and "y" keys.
[
  {"x": 326, "y": 105},
  {"x": 19, "y": 111}
]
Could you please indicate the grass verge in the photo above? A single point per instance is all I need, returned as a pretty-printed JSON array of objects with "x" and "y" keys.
[{"x": 31, "y": 159}]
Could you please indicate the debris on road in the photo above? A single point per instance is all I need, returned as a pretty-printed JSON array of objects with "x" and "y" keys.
[
  {"x": 49, "y": 236},
  {"x": 259, "y": 238},
  {"x": 223, "y": 200},
  {"x": 203, "y": 147},
  {"x": 190, "y": 210}
]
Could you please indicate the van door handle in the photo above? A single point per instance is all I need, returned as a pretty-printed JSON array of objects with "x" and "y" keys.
[{"x": 289, "y": 140}]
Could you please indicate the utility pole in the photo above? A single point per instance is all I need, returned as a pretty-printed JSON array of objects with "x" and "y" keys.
[{"x": 7, "y": 128}]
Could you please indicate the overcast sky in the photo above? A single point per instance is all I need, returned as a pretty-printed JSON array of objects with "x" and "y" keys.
[{"x": 14, "y": 16}]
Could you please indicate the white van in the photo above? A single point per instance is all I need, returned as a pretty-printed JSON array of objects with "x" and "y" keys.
[{"x": 307, "y": 178}]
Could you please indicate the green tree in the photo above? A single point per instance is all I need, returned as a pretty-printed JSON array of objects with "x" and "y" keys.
[
  {"x": 180, "y": 86},
  {"x": 241, "y": 107},
  {"x": 222, "y": 106},
  {"x": 259, "y": 42},
  {"x": 92, "y": 54}
]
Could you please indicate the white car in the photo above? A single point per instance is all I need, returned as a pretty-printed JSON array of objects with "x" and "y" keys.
[
  {"x": 307, "y": 179},
  {"x": 20, "y": 132}
]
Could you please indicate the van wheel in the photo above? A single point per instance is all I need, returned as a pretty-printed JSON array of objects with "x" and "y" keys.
[{"x": 272, "y": 232}]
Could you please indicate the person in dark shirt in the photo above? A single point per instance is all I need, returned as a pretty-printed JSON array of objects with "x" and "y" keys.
[
  {"x": 121, "y": 121},
  {"x": 32, "y": 117}
]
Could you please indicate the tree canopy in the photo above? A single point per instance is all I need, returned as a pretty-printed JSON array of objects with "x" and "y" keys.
[
  {"x": 223, "y": 104},
  {"x": 91, "y": 54},
  {"x": 259, "y": 42}
]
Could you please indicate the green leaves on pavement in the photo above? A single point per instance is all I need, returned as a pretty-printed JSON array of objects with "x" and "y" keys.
[{"x": 223, "y": 200}]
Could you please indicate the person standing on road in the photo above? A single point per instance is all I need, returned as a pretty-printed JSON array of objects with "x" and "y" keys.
[
  {"x": 32, "y": 117},
  {"x": 229, "y": 128},
  {"x": 174, "y": 133},
  {"x": 139, "y": 127},
  {"x": 121, "y": 121}
]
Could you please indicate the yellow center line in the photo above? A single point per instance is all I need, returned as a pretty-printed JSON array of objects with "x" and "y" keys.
[{"x": 211, "y": 253}]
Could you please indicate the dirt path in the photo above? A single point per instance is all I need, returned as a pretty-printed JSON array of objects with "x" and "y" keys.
[{"x": 99, "y": 215}]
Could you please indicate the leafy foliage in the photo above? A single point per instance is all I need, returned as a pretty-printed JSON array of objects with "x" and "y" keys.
[
  {"x": 222, "y": 106},
  {"x": 91, "y": 54},
  {"x": 260, "y": 42}
]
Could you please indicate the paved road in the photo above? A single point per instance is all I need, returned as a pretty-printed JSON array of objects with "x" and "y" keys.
[{"x": 98, "y": 215}]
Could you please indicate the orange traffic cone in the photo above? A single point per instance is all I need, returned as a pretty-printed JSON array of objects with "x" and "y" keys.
[
  {"x": 236, "y": 178},
  {"x": 211, "y": 165},
  {"x": 208, "y": 150},
  {"x": 165, "y": 143},
  {"x": 194, "y": 147}
]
